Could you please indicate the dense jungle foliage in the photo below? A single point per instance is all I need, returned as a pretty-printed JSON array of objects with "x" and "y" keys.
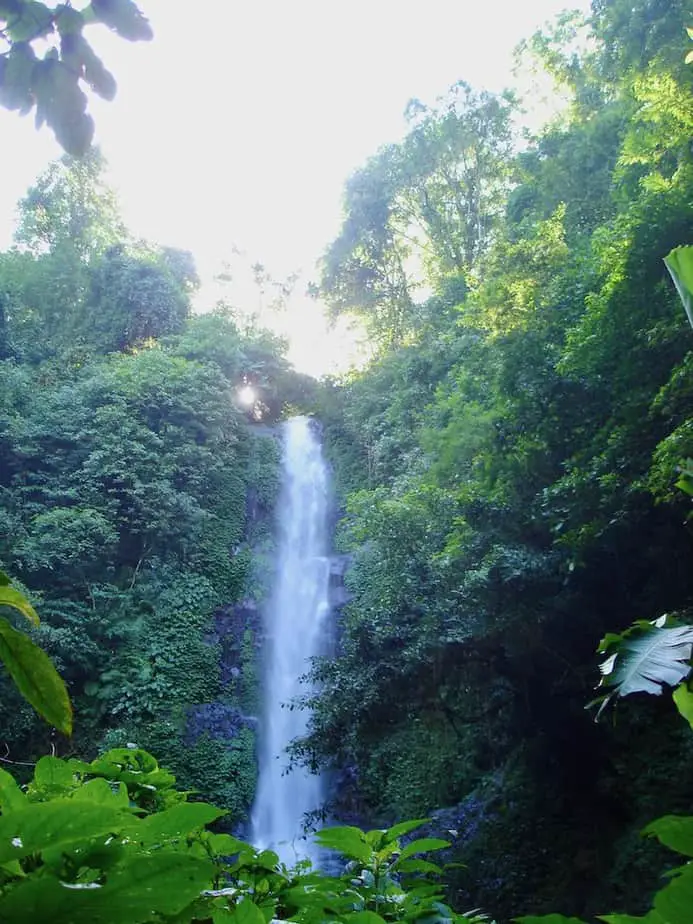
[
  {"x": 510, "y": 467},
  {"x": 133, "y": 485},
  {"x": 508, "y": 464}
]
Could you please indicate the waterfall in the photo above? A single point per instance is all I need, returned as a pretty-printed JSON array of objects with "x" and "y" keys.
[{"x": 295, "y": 621}]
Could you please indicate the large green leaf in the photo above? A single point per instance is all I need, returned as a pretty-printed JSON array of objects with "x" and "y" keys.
[
  {"x": 78, "y": 55},
  {"x": 347, "y": 840},
  {"x": 675, "y": 901},
  {"x": 674, "y": 831},
  {"x": 136, "y": 759},
  {"x": 36, "y": 677},
  {"x": 225, "y": 845},
  {"x": 164, "y": 882},
  {"x": 266, "y": 859},
  {"x": 98, "y": 77},
  {"x": 422, "y": 845},
  {"x": 102, "y": 792},
  {"x": 14, "y": 598},
  {"x": 174, "y": 822},
  {"x": 62, "y": 104},
  {"x": 144, "y": 889},
  {"x": 68, "y": 20},
  {"x": 53, "y": 773},
  {"x": 222, "y": 916},
  {"x": 404, "y": 827},
  {"x": 419, "y": 866},
  {"x": 247, "y": 912},
  {"x": 11, "y": 796},
  {"x": 683, "y": 698},
  {"x": 34, "y": 21},
  {"x": 59, "y": 823},
  {"x": 123, "y": 17},
  {"x": 643, "y": 663},
  {"x": 16, "y": 75},
  {"x": 679, "y": 262}
]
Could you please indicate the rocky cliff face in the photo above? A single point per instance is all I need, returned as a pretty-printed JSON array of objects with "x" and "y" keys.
[
  {"x": 339, "y": 595},
  {"x": 226, "y": 728}
]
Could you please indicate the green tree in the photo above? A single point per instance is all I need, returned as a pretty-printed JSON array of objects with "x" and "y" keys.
[
  {"x": 507, "y": 467},
  {"x": 420, "y": 210},
  {"x": 71, "y": 209},
  {"x": 135, "y": 296},
  {"x": 68, "y": 220}
]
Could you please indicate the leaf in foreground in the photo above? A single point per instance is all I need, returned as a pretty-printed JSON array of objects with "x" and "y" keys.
[
  {"x": 643, "y": 664},
  {"x": 679, "y": 262},
  {"x": 36, "y": 677}
]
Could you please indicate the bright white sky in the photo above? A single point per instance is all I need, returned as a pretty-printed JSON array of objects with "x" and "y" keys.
[{"x": 241, "y": 122}]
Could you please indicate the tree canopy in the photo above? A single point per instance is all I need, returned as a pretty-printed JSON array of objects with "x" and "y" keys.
[{"x": 508, "y": 464}]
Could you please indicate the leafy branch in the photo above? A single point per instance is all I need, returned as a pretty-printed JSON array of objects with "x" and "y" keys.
[{"x": 51, "y": 85}]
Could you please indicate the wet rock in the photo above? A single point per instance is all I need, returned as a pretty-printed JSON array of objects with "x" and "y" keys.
[
  {"x": 218, "y": 720},
  {"x": 338, "y": 593}
]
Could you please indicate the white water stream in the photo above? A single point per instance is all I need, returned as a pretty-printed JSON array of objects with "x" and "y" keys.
[{"x": 296, "y": 620}]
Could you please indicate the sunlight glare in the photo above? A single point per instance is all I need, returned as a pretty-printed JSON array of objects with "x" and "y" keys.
[
  {"x": 207, "y": 173},
  {"x": 247, "y": 396}
]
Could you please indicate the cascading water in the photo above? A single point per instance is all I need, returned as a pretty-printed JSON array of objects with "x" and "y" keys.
[{"x": 296, "y": 620}]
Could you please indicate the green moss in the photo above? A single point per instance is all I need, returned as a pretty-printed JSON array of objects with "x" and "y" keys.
[
  {"x": 249, "y": 692},
  {"x": 222, "y": 772},
  {"x": 417, "y": 767}
]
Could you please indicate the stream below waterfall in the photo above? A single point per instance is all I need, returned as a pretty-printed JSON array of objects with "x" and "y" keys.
[{"x": 296, "y": 622}]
